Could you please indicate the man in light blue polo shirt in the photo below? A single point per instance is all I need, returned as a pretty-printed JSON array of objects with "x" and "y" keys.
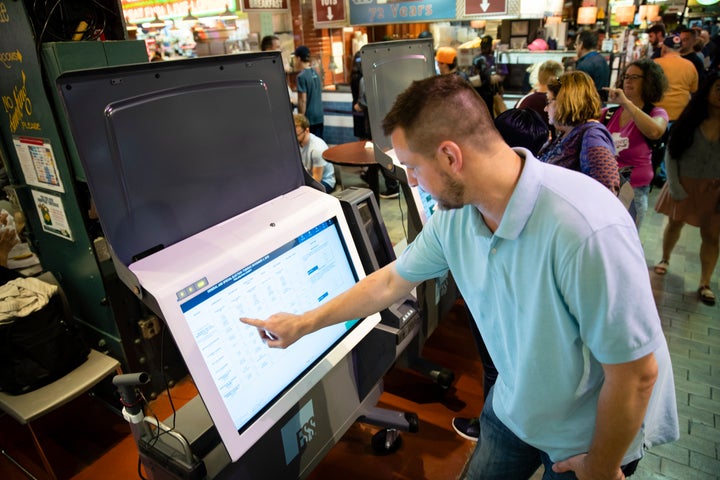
[{"x": 551, "y": 267}]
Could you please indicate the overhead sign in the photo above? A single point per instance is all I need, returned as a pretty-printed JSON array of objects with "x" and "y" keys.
[
  {"x": 140, "y": 10},
  {"x": 264, "y": 5},
  {"x": 381, "y": 12},
  {"x": 329, "y": 12},
  {"x": 479, "y": 7}
]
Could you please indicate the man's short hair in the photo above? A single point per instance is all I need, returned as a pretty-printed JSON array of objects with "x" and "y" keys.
[
  {"x": 440, "y": 108},
  {"x": 267, "y": 42},
  {"x": 303, "y": 53},
  {"x": 301, "y": 121},
  {"x": 657, "y": 28},
  {"x": 684, "y": 29},
  {"x": 588, "y": 39}
]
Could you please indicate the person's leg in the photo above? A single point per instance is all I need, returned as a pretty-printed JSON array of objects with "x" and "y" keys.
[
  {"x": 640, "y": 202},
  {"x": 709, "y": 248},
  {"x": 489, "y": 371},
  {"x": 469, "y": 428},
  {"x": 328, "y": 188},
  {"x": 500, "y": 455},
  {"x": 392, "y": 186},
  {"x": 671, "y": 235},
  {"x": 317, "y": 130}
]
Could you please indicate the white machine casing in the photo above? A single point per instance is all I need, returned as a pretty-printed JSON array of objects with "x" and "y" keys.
[{"x": 220, "y": 252}]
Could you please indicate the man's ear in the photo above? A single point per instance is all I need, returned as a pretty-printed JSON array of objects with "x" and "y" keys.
[{"x": 450, "y": 155}]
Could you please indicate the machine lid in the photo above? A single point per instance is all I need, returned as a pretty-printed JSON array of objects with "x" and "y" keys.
[
  {"x": 172, "y": 148},
  {"x": 389, "y": 68}
]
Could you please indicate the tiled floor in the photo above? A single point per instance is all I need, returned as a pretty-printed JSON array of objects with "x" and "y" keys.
[{"x": 693, "y": 333}]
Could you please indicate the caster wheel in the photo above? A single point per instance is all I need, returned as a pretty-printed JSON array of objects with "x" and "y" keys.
[{"x": 386, "y": 441}]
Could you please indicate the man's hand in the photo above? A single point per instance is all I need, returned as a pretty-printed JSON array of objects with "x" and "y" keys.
[
  {"x": 579, "y": 465},
  {"x": 279, "y": 330}
]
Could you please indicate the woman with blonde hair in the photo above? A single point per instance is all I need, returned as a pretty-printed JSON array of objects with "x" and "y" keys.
[
  {"x": 548, "y": 71},
  {"x": 583, "y": 143}
]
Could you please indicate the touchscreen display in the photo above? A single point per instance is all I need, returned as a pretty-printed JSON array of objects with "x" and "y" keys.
[{"x": 300, "y": 275}]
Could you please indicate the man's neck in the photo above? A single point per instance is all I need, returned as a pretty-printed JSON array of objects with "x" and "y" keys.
[{"x": 496, "y": 186}]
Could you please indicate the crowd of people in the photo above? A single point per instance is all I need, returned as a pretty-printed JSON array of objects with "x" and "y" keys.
[{"x": 559, "y": 240}]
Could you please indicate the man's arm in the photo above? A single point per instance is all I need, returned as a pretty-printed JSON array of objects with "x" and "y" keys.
[
  {"x": 372, "y": 294},
  {"x": 623, "y": 401},
  {"x": 302, "y": 102},
  {"x": 317, "y": 173}
]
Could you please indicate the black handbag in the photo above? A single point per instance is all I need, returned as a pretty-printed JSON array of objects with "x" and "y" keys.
[{"x": 38, "y": 349}]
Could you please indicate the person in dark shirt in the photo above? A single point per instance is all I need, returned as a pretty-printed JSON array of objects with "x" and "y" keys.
[
  {"x": 656, "y": 35},
  {"x": 309, "y": 87},
  {"x": 688, "y": 38},
  {"x": 591, "y": 62}
]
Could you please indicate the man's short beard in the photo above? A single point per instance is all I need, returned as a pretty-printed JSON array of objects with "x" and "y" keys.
[{"x": 453, "y": 196}]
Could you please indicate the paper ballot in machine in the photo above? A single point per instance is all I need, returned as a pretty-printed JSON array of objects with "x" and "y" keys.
[{"x": 196, "y": 174}]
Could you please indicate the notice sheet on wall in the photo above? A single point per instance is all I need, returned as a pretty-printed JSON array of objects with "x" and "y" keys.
[
  {"x": 51, "y": 211},
  {"x": 38, "y": 164}
]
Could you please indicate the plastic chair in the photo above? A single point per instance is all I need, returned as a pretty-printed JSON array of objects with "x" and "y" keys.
[{"x": 31, "y": 406}]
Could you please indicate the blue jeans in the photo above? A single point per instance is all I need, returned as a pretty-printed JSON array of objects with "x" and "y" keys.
[
  {"x": 501, "y": 455},
  {"x": 640, "y": 202}
]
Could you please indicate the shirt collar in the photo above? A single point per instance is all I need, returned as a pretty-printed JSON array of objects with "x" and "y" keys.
[{"x": 523, "y": 199}]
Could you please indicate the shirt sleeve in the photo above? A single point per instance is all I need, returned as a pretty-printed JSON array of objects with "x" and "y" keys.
[
  {"x": 301, "y": 84},
  {"x": 424, "y": 259},
  {"x": 677, "y": 192},
  {"x": 606, "y": 287},
  {"x": 597, "y": 159},
  {"x": 317, "y": 158}
]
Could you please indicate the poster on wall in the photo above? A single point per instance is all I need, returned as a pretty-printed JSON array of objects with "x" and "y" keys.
[
  {"x": 381, "y": 12},
  {"x": 52, "y": 216},
  {"x": 38, "y": 163}
]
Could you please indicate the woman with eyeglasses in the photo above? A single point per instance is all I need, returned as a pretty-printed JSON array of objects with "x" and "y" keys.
[
  {"x": 692, "y": 192},
  {"x": 636, "y": 123},
  {"x": 582, "y": 142}
]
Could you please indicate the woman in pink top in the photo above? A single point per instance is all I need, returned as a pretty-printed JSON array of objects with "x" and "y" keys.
[{"x": 636, "y": 121}]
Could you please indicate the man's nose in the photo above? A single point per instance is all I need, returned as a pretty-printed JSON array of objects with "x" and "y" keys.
[{"x": 412, "y": 180}]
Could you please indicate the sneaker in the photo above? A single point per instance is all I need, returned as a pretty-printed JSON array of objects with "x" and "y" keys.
[
  {"x": 364, "y": 176},
  {"x": 388, "y": 194},
  {"x": 468, "y": 428}
]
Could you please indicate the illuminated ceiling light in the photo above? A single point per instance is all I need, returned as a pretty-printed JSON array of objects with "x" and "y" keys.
[
  {"x": 156, "y": 22},
  {"x": 653, "y": 13},
  {"x": 228, "y": 14},
  {"x": 554, "y": 20},
  {"x": 130, "y": 27},
  {"x": 625, "y": 14},
  {"x": 707, "y": 2},
  {"x": 587, "y": 15},
  {"x": 190, "y": 17}
]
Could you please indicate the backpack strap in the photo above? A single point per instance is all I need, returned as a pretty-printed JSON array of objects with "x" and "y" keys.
[{"x": 609, "y": 114}]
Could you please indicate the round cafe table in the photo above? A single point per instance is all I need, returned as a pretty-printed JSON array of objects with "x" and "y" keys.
[{"x": 354, "y": 154}]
